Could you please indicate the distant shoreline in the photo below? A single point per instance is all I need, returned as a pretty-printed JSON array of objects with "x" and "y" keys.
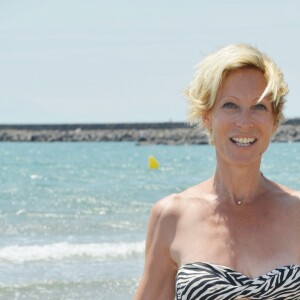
[
  {"x": 94, "y": 126},
  {"x": 141, "y": 133},
  {"x": 111, "y": 126}
]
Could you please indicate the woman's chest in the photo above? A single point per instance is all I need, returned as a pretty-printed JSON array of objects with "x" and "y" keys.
[{"x": 234, "y": 241}]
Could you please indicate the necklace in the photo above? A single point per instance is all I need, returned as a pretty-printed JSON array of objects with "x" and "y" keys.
[{"x": 239, "y": 202}]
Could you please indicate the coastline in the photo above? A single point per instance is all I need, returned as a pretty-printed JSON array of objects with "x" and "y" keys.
[{"x": 169, "y": 133}]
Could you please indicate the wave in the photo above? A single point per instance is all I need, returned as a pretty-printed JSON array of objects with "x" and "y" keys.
[
  {"x": 64, "y": 250},
  {"x": 77, "y": 289}
]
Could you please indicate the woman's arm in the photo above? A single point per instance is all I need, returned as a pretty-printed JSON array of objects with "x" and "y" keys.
[{"x": 158, "y": 280}]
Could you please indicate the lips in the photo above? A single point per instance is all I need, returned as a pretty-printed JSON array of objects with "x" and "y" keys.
[{"x": 243, "y": 141}]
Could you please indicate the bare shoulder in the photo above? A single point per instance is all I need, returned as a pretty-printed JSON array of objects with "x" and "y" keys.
[
  {"x": 174, "y": 205},
  {"x": 171, "y": 212},
  {"x": 163, "y": 218},
  {"x": 158, "y": 279},
  {"x": 288, "y": 194},
  {"x": 278, "y": 190},
  {"x": 167, "y": 207},
  {"x": 288, "y": 198},
  {"x": 294, "y": 194},
  {"x": 291, "y": 200},
  {"x": 293, "y": 197}
]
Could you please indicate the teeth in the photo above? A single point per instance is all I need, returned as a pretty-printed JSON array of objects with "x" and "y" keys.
[{"x": 243, "y": 140}]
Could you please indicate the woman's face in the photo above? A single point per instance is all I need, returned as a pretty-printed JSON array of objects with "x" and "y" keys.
[{"x": 241, "y": 128}]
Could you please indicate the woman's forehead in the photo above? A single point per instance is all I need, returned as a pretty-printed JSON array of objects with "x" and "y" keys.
[{"x": 243, "y": 81}]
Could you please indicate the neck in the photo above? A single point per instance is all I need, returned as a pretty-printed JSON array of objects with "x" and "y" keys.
[{"x": 238, "y": 186}]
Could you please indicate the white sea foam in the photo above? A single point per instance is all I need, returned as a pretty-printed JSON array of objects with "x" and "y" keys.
[{"x": 61, "y": 251}]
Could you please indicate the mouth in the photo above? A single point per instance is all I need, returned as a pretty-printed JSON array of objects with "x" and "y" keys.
[{"x": 243, "y": 142}]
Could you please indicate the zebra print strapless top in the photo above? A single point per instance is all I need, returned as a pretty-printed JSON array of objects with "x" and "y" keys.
[{"x": 204, "y": 281}]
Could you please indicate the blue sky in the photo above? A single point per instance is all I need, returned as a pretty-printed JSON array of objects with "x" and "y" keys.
[{"x": 96, "y": 61}]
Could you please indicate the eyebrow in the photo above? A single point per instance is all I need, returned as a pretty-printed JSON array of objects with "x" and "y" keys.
[{"x": 238, "y": 99}]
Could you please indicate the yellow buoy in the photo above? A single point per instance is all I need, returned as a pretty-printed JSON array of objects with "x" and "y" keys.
[{"x": 153, "y": 163}]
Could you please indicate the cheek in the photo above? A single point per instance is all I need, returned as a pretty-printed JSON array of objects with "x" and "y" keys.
[
  {"x": 266, "y": 121},
  {"x": 222, "y": 122},
  {"x": 219, "y": 129}
]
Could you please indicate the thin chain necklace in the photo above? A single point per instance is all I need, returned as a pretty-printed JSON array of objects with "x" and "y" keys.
[{"x": 239, "y": 202}]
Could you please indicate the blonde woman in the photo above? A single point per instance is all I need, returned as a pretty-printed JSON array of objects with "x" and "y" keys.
[{"x": 237, "y": 234}]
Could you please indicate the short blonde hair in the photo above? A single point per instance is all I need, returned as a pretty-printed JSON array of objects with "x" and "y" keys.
[{"x": 203, "y": 89}]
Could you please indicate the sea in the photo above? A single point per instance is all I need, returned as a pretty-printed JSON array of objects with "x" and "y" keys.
[{"x": 73, "y": 216}]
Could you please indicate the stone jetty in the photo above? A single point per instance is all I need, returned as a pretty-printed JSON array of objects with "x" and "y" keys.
[{"x": 173, "y": 133}]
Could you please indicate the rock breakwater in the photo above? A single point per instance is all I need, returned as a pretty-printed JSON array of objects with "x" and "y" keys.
[{"x": 141, "y": 133}]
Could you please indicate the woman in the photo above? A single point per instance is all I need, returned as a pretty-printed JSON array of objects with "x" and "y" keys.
[{"x": 237, "y": 234}]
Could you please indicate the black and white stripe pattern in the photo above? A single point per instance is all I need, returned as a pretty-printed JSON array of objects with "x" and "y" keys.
[{"x": 204, "y": 281}]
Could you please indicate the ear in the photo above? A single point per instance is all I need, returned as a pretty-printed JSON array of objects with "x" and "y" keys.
[{"x": 207, "y": 121}]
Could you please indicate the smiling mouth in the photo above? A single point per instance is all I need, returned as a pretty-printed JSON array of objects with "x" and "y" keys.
[{"x": 243, "y": 142}]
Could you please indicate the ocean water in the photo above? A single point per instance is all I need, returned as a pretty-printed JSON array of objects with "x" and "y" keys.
[{"x": 73, "y": 216}]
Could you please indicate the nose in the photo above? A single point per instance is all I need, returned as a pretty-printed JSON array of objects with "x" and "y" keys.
[{"x": 244, "y": 119}]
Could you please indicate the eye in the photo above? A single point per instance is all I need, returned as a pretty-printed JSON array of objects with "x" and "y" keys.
[
  {"x": 229, "y": 105},
  {"x": 259, "y": 106}
]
